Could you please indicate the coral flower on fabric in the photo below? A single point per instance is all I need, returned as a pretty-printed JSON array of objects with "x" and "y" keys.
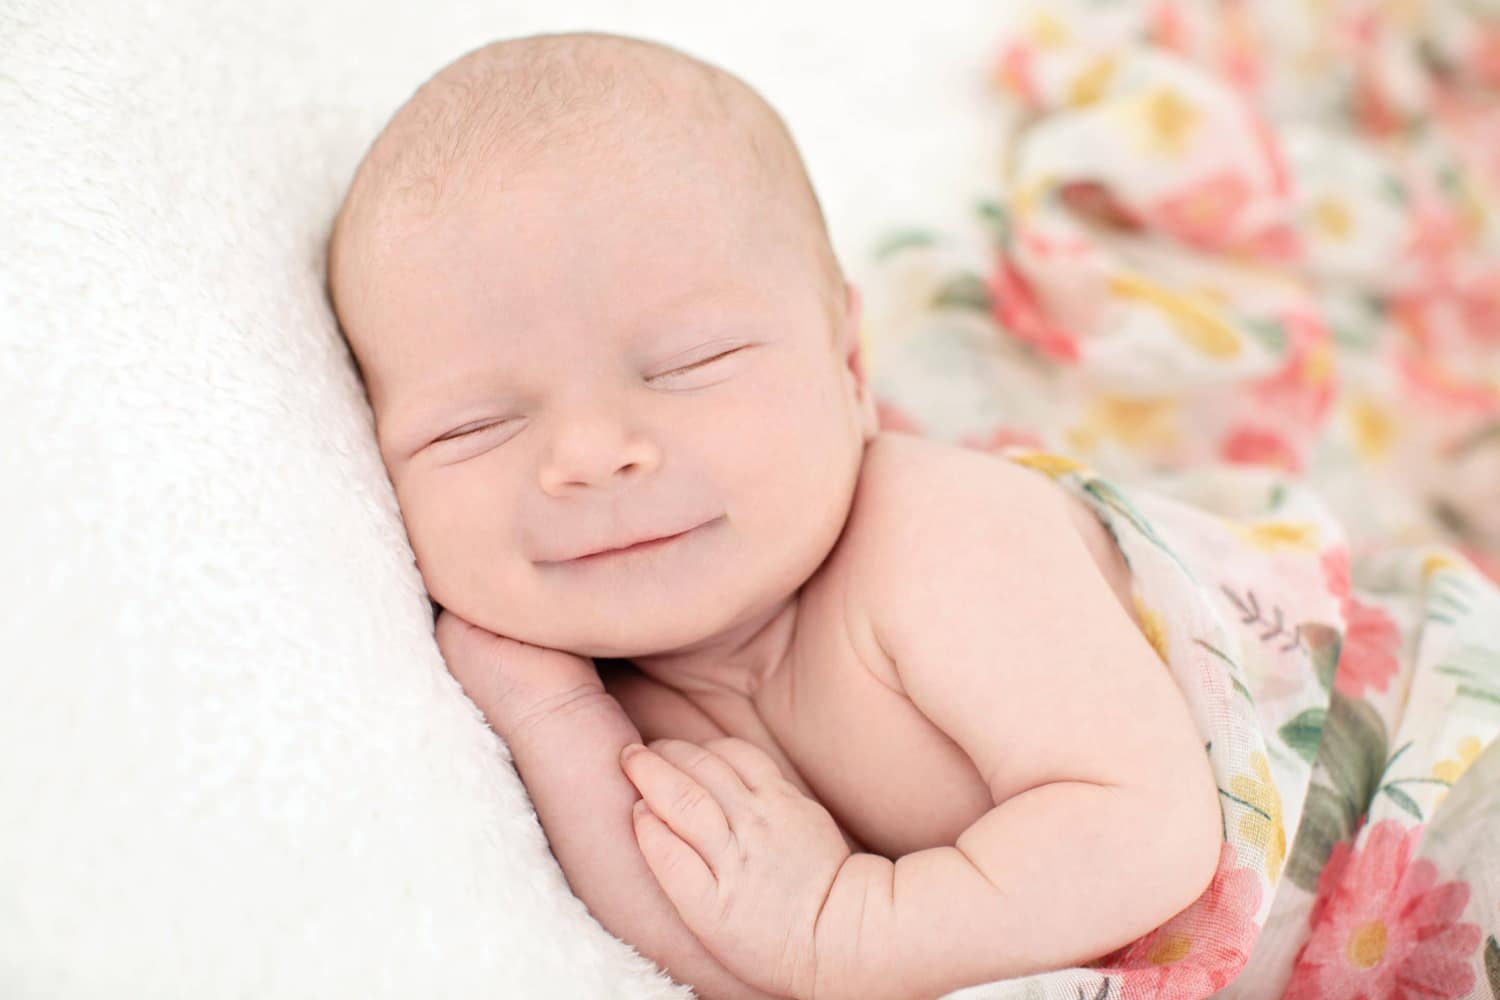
[{"x": 1385, "y": 927}]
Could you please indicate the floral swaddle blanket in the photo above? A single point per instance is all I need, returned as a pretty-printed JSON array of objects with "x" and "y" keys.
[
  {"x": 1340, "y": 703},
  {"x": 1246, "y": 257}
]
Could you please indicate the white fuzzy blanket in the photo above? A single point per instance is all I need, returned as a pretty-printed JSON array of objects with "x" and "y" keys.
[{"x": 233, "y": 762}]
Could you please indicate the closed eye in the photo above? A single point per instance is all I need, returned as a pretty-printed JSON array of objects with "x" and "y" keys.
[
  {"x": 697, "y": 364},
  {"x": 475, "y": 428},
  {"x": 467, "y": 430}
]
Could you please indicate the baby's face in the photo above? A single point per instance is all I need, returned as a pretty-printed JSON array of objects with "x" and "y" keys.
[{"x": 573, "y": 360}]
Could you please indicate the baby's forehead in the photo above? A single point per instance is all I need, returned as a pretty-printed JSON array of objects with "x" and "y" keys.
[{"x": 602, "y": 106}]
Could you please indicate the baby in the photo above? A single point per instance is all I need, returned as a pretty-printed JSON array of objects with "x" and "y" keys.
[{"x": 903, "y": 732}]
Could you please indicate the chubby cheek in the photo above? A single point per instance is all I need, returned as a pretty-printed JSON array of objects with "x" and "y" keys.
[
  {"x": 462, "y": 532},
  {"x": 779, "y": 454}
]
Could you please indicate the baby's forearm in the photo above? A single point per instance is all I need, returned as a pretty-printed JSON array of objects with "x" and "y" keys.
[{"x": 1054, "y": 877}]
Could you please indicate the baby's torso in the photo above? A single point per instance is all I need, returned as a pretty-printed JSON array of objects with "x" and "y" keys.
[{"x": 834, "y": 716}]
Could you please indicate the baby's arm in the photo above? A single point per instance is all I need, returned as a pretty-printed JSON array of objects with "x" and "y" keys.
[
  {"x": 1106, "y": 823},
  {"x": 565, "y": 735}
]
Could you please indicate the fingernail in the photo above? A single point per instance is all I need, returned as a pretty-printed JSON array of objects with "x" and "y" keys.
[
  {"x": 630, "y": 751},
  {"x": 640, "y": 807}
]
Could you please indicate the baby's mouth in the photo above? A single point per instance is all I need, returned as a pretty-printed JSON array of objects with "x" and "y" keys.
[{"x": 632, "y": 551}]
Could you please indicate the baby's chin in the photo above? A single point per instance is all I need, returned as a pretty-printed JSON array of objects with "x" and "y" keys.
[
  {"x": 596, "y": 637},
  {"x": 593, "y": 640}
]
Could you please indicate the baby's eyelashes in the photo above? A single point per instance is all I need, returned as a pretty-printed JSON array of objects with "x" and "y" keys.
[
  {"x": 696, "y": 364},
  {"x": 469, "y": 429}
]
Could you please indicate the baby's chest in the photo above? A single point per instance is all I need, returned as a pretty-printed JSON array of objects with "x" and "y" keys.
[{"x": 890, "y": 777}]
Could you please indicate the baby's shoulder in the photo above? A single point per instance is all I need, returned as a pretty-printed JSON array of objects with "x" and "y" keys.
[
  {"x": 911, "y": 486},
  {"x": 929, "y": 471},
  {"x": 919, "y": 496}
]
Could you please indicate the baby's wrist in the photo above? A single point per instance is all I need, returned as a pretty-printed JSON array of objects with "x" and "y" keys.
[{"x": 851, "y": 941}]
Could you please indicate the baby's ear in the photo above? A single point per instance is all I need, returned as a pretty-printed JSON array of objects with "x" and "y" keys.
[{"x": 854, "y": 358}]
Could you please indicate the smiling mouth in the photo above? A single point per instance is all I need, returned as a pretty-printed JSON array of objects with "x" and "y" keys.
[{"x": 638, "y": 547}]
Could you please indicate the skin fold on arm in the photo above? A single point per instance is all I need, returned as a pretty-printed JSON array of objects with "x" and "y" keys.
[{"x": 565, "y": 734}]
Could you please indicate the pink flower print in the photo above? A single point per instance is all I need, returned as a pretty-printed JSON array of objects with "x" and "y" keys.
[
  {"x": 1257, "y": 446},
  {"x": 1001, "y": 437},
  {"x": 1487, "y": 563},
  {"x": 1426, "y": 379},
  {"x": 1435, "y": 236},
  {"x": 1335, "y": 563},
  {"x": 1270, "y": 148},
  {"x": 1281, "y": 243},
  {"x": 1017, "y": 310},
  {"x": 1383, "y": 929},
  {"x": 890, "y": 417},
  {"x": 1167, "y": 26},
  {"x": 1484, "y": 62},
  {"x": 1202, "y": 215},
  {"x": 1367, "y": 656},
  {"x": 1200, "y": 949},
  {"x": 1095, "y": 202},
  {"x": 1012, "y": 72},
  {"x": 1240, "y": 49},
  {"x": 1302, "y": 391},
  {"x": 1480, "y": 305}
]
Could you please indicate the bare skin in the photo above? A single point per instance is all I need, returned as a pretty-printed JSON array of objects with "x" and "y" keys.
[
  {"x": 620, "y": 341},
  {"x": 834, "y": 717}
]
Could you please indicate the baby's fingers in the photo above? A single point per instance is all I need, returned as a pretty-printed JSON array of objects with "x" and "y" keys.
[
  {"x": 684, "y": 805},
  {"x": 683, "y": 876}
]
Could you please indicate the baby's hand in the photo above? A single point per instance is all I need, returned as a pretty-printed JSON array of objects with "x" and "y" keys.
[{"x": 743, "y": 855}]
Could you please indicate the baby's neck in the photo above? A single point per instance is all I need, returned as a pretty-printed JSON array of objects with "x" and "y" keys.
[{"x": 737, "y": 662}]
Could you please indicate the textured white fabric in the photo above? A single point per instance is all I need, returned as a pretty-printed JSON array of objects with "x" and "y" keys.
[{"x": 233, "y": 763}]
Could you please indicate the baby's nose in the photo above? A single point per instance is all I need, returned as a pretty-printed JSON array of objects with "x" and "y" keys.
[{"x": 596, "y": 452}]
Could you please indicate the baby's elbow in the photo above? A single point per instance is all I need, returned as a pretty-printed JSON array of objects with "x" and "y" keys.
[{"x": 1192, "y": 828}]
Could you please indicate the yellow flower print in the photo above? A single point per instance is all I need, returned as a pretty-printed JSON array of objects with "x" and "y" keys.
[
  {"x": 1266, "y": 831},
  {"x": 1153, "y": 626},
  {"x": 1317, "y": 367},
  {"x": 1373, "y": 427},
  {"x": 1030, "y": 196},
  {"x": 1405, "y": 13},
  {"x": 1193, "y": 318},
  {"x": 1081, "y": 438},
  {"x": 1136, "y": 423},
  {"x": 1048, "y": 30},
  {"x": 1046, "y": 463},
  {"x": 1169, "y": 948},
  {"x": 1091, "y": 84},
  {"x": 1471, "y": 209},
  {"x": 1451, "y": 770},
  {"x": 1166, "y": 121},
  {"x": 1331, "y": 218},
  {"x": 1436, "y": 563},
  {"x": 1269, "y": 536}
]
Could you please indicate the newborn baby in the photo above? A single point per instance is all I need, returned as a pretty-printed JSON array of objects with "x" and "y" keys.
[{"x": 903, "y": 731}]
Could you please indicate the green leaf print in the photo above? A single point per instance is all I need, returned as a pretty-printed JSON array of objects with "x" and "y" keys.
[
  {"x": 1492, "y": 964},
  {"x": 1304, "y": 733},
  {"x": 1324, "y": 642},
  {"x": 1478, "y": 671},
  {"x": 1271, "y": 334},
  {"x": 1404, "y": 801},
  {"x": 1353, "y": 751},
  {"x": 1324, "y": 823},
  {"x": 997, "y": 221},
  {"x": 967, "y": 291},
  {"x": 1109, "y": 497},
  {"x": 903, "y": 239}
]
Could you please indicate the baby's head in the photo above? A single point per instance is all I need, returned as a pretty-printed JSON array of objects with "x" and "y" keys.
[{"x": 589, "y": 288}]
